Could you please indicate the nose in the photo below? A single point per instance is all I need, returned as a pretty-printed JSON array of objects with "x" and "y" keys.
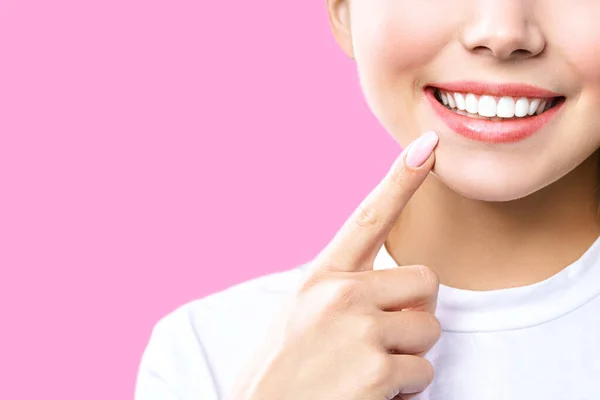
[{"x": 503, "y": 29}]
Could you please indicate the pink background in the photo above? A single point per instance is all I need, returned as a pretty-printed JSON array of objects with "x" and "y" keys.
[{"x": 153, "y": 152}]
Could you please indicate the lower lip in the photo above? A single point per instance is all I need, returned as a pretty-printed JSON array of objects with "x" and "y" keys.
[{"x": 511, "y": 130}]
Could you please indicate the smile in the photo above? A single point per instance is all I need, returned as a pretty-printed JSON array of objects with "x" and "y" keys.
[
  {"x": 494, "y": 113},
  {"x": 494, "y": 108}
]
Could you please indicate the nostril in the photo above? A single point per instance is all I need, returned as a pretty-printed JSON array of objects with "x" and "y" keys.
[
  {"x": 518, "y": 54},
  {"x": 521, "y": 53},
  {"x": 482, "y": 50}
]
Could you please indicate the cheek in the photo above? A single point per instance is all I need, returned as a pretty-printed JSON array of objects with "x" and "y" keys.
[
  {"x": 584, "y": 56},
  {"x": 395, "y": 37},
  {"x": 576, "y": 40},
  {"x": 394, "y": 48},
  {"x": 581, "y": 49},
  {"x": 587, "y": 55}
]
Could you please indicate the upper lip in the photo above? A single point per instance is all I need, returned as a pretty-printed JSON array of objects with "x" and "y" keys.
[{"x": 496, "y": 89}]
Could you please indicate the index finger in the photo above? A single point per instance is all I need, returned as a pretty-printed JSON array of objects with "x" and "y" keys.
[{"x": 356, "y": 244}]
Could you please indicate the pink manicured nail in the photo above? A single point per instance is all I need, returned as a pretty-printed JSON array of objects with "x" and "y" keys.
[{"x": 420, "y": 150}]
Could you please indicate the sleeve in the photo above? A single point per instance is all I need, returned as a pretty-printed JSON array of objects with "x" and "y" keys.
[{"x": 174, "y": 365}]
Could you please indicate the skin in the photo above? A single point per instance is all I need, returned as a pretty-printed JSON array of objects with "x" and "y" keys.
[
  {"x": 350, "y": 332},
  {"x": 478, "y": 216},
  {"x": 489, "y": 216}
]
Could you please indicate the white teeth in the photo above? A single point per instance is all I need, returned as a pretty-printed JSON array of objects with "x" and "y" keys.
[
  {"x": 521, "y": 107},
  {"x": 506, "y": 107},
  {"x": 472, "y": 104},
  {"x": 487, "y": 106},
  {"x": 533, "y": 105},
  {"x": 444, "y": 99},
  {"x": 541, "y": 108},
  {"x": 460, "y": 101},
  {"x": 451, "y": 102}
]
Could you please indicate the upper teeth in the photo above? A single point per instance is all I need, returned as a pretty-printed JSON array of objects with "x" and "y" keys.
[{"x": 490, "y": 106}]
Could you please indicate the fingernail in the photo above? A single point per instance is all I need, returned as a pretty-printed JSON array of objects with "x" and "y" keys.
[{"x": 419, "y": 151}]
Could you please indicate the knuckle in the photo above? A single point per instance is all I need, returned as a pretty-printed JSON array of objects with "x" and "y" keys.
[
  {"x": 420, "y": 370},
  {"x": 428, "y": 276},
  {"x": 399, "y": 176},
  {"x": 379, "y": 369},
  {"x": 430, "y": 331},
  {"x": 428, "y": 371},
  {"x": 436, "y": 327},
  {"x": 343, "y": 293},
  {"x": 369, "y": 329},
  {"x": 365, "y": 216}
]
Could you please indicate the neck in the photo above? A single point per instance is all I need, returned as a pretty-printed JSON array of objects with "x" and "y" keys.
[{"x": 478, "y": 245}]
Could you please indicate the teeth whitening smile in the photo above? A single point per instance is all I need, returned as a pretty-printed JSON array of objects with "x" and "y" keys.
[{"x": 493, "y": 108}]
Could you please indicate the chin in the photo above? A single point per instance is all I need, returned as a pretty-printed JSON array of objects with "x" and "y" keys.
[{"x": 487, "y": 179}]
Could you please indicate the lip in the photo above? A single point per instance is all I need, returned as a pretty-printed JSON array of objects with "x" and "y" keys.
[
  {"x": 511, "y": 130},
  {"x": 496, "y": 89}
]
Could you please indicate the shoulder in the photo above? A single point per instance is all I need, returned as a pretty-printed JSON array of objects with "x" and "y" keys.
[{"x": 213, "y": 337}]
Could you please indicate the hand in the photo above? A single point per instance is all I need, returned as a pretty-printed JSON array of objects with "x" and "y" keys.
[{"x": 350, "y": 332}]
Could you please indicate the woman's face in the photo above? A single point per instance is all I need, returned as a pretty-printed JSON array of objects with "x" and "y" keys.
[{"x": 412, "y": 55}]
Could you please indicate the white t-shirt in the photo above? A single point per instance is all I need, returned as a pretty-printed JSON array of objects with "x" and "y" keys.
[{"x": 540, "y": 341}]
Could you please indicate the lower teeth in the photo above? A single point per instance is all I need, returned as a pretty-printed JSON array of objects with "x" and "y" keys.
[{"x": 477, "y": 116}]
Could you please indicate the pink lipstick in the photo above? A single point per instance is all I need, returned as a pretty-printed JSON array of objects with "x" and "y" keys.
[{"x": 476, "y": 122}]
